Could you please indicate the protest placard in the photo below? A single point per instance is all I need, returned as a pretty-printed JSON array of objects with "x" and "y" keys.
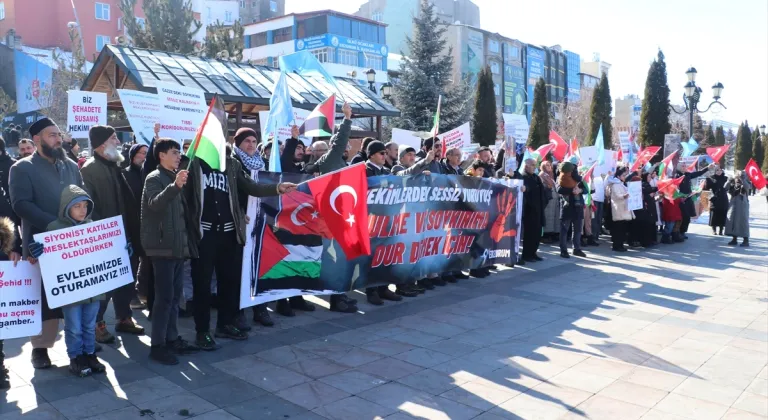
[
  {"x": 458, "y": 137},
  {"x": 635, "y": 189},
  {"x": 143, "y": 111},
  {"x": 625, "y": 145},
  {"x": 516, "y": 126},
  {"x": 284, "y": 133},
  {"x": 20, "y": 307},
  {"x": 182, "y": 110},
  {"x": 84, "y": 261},
  {"x": 84, "y": 110},
  {"x": 589, "y": 156},
  {"x": 407, "y": 138}
]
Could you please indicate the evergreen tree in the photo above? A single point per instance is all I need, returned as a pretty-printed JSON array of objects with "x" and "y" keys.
[
  {"x": 600, "y": 114},
  {"x": 730, "y": 140},
  {"x": 484, "y": 119},
  {"x": 698, "y": 129},
  {"x": 743, "y": 146},
  {"x": 757, "y": 147},
  {"x": 719, "y": 141},
  {"x": 7, "y": 104},
  {"x": 170, "y": 25},
  {"x": 709, "y": 138},
  {"x": 538, "y": 135},
  {"x": 218, "y": 39},
  {"x": 765, "y": 154},
  {"x": 654, "y": 119},
  {"x": 426, "y": 74}
]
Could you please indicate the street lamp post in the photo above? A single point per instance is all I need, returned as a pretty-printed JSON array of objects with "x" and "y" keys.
[
  {"x": 692, "y": 96},
  {"x": 371, "y": 76}
]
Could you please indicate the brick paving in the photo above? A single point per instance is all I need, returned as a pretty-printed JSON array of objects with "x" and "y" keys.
[{"x": 675, "y": 332}]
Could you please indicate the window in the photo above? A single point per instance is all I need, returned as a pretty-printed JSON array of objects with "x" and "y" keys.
[
  {"x": 227, "y": 17},
  {"x": 312, "y": 27},
  {"x": 257, "y": 40},
  {"x": 101, "y": 41},
  {"x": 276, "y": 62},
  {"x": 119, "y": 24},
  {"x": 282, "y": 34},
  {"x": 354, "y": 29},
  {"x": 374, "y": 62},
  {"x": 494, "y": 67},
  {"x": 141, "y": 22},
  {"x": 323, "y": 55},
  {"x": 273, "y": 6},
  {"x": 493, "y": 46},
  {"x": 378, "y": 16},
  {"x": 102, "y": 11},
  {"x": 242, "y": 4},
  {"x": 348, "y": 57},
  {"x": 2, "y": 10},
  {"x": 254, "y": 5},
  {"x": 496, "y": 89}
]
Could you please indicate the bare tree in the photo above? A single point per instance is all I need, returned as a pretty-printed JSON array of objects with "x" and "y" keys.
[
  {"x": 7, "y": 104},
  {"x": 69, "y": 74},
  {"x": 574, "y": 117}
]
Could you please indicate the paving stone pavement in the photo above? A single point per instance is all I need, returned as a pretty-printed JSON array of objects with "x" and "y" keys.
[{"x": 674, "y": 332}]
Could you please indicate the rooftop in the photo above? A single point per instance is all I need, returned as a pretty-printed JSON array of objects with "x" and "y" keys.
[{"x": 306, "y": 15}]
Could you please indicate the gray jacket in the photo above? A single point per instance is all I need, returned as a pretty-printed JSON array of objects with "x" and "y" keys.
[
  {"x": 35, "y": 188},
  {"x": 334, "y": 160},
  {"x": 163, "y": 225},
  {"x": 415, "y": 169}
]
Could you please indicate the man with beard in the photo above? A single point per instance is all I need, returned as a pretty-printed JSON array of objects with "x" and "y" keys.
[
  {"x": 392, "y": 155},
  {"x": 428, "y": 145},
  {"x": 35, "y": 184},
  {"x": 136, "y": 157},
  {"x": 26, "y": 148},
  {"x": 112, "y": 196},
  {"x": 484, "y": 154}
]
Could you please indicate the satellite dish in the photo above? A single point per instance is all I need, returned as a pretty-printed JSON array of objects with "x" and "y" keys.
[
  {"x": 121, "y": 40},
  {"x": 218, "y": 55},
  {"x": 224, "y": 55},
  {"x": 198, "y": 48}
]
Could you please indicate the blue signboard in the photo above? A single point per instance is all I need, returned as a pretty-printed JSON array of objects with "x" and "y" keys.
[
  {"x": 338, "y": 41},
  {"x": 33, "y": 82},
  {"x": 514, "y": 90},
  {"x": 535, "y": 68}
]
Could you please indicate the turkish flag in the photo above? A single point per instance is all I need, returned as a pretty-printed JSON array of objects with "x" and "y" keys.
[
  {"x": 341, "y": 198},
  {"x": 717, "y": 153},
  {"x": 669, "y": 186},
  {"x": 644, "y": 156},
  {"x": 561, "y": 147},
  {"x": 754, "y": 174},
  {"x": 299, "y": 216}
]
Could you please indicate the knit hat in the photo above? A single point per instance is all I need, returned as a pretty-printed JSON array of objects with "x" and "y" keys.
[
  {"x": 99, "y": 134},
  {"x": 375, "y": 147},
  {"x": 402, "y": 150},
  {"x": 134, "y": 149},
  {"x": 243, "y": 133},
  {"x": 40, "y": 125}
]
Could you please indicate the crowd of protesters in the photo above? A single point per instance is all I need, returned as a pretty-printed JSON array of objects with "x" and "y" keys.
[{"x": 185, "y": 222}]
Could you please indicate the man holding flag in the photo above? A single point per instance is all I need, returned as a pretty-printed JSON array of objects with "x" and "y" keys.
[
  {"x": 218, "y": 226},
  {"x": 687, "y": 207}
]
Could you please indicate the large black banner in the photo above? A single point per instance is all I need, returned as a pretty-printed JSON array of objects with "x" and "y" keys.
[{"x": 419, "y": 225}]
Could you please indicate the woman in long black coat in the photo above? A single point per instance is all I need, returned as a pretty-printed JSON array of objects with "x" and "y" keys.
[
  {"x": 647, "y": 216},
  {"x": 718, "y": 202}
]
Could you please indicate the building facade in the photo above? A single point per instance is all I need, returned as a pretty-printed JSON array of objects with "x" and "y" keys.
[
  {"x": 347, "y": 45},
  {"x": 399, "y": 14},
  {"x": 627, "y": 112},
  {"x": 252, "y": 11},
  {"x": 595, "y": 68},
  {"x": 208, "y": 12},
  {"x": 572, "y": 78},
  {"x": 554, "y": 70}
]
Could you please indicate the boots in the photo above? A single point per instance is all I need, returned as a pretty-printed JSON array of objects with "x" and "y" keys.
[
  {"x": 734, "y": 241},
  {"x": 745, "y": 243},
  {"x": 261, "y": 316},
  {"x": 721, "y": 231},
  {"x": 592, "y": 241},
  {"x": 666, "y": 239},
  {"x": 714, "y": 230},
  {"x": 676, "y": 237}
]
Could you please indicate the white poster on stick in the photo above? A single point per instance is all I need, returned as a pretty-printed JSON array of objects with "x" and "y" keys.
[
  {"x": 84, "y": 261},
  {"x": 635, "y": 189},
  {"x": 84, "y": 110},
  {"x": 20, "y": 306},
  {"x": 143, "y": 111},
  {"x": 182, "y": 110},
  {"x": 284, "y": 133},
  {"x": 458, "y": 137},
  {"x": 406, "y": 138}
]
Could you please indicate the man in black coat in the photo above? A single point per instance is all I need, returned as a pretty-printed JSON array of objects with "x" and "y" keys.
[
  {"x": 292, "y": 156},
  {"x": 141, "y": 264},
  {"x": 377, "y": 157},
  {"x": 534, "y": 203},
  {"x": 362, "y": 155},
  {"x": 688, "y": 209}
]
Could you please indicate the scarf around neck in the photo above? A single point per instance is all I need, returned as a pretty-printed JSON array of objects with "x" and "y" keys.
[{"x": 251, "y": 163}]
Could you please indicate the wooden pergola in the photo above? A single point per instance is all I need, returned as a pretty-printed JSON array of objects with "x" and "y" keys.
[{"x": 244, "y": 88}]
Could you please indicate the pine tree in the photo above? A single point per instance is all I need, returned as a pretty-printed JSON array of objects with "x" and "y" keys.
[
  {"x": 698, "y": 129},
  {"x": 426, "y": 74},
  {"x": 218, "y": 39},
  {"x": 600, "y": 114},
  {"x": 720, "y": 141},
  {"x": 757, "y": 147},
  {"x": 765, "y": 154},
  {"x": 743, "y": 146},
  {"x": 484, "y": 119},
  {"x": 654, "y": 119},
  {"x": 538, "y": 135},
  {"x": 709, "y": 137},
  {"x": 170, "y": 25},
  {"x": 730, "y": 140}
]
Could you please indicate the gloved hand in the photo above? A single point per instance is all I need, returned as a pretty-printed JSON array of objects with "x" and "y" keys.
[
  {"x": 129, "y": 248},
  {"x": 36, "y": 249}
]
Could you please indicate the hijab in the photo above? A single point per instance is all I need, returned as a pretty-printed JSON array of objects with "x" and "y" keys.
[{"x": 547, "y": 177}]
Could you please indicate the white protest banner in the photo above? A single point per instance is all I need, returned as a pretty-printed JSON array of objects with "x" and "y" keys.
[
  {"x": 182, "y": 110},
  {"x": 143, "y": 111},
  {"x": 635, "y": 189},
  {"x": 84, "y": 261},
  {"x": 284, "y": 133},
  {"x": 84, "y": 110},
  {"x": 405, "y": 137},
  {"x": 20, "y": 306},
  {"x": 589, "y": 156},
  {"x": 624, "y": 145},
  {"x": 458, "y": 137},
  {"x": 516, "y": 126}
]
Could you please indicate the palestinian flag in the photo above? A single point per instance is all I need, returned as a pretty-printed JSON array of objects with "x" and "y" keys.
[
  {"x": 210, "y": 143},
  {"x": 665, "y": 164},
  {"x": 320, "y": 121}
]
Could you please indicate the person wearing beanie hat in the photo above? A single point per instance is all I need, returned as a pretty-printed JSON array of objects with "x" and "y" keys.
[
  {"x": 112, "y": 196},
  {"x": 137, "y": 155},
  {"x": 373, "y": 148}
]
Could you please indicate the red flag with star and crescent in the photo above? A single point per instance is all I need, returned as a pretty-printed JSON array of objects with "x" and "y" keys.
[
  {"x": 299, "y": 216},
  {"x": 755, "y": 176},
  {"x": 717, "y": 153},
  {"x": 561, "y": 147},
  {"x": 341, "y": 199}
]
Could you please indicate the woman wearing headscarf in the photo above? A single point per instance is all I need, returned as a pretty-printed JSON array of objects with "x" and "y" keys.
[
  {"x": 619, "y": 209},
  {"x": 552, "y": 210},
  {"x": 647, "y": 216},
  {"x": 737, "y": 224},
  {"x": 718, "y": 200}
]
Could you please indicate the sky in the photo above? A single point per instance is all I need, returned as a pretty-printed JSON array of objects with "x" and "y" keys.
[{"x": 726, "y": 41}]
